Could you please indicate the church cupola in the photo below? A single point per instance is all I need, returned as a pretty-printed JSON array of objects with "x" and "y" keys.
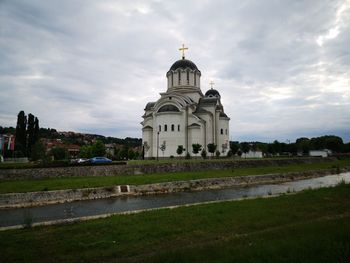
[
  {"x": 212, "y": 93},
  {"x": 183, "y": 73}
]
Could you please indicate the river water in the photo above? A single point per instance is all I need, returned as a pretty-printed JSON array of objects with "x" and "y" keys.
[{"x": 19, "y": 216}]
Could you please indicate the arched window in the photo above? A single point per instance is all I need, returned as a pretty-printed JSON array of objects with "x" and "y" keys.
[
  {"x": 159, "y": 128},
  {"x": 172, "y": 127},
  {"x": 188, "y": 77},
  {"x": 179, "y": 76},
  {"x": 165, "y": 127},
  {"x": 168, "y": 108},
  {"x": 222, "y": 131},
  {"x": 172, "y": 79},
  {"x": 178, "y": 127},
  {"x": 195, "y": 78}
]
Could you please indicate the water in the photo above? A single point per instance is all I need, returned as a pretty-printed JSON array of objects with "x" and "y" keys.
[{"x": 19, "y": 216}]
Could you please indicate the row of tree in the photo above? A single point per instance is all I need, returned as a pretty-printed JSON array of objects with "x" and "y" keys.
[
  {"x": 27, "y": 134},
  {"x": 300, "y": 146},
  {"x": 197, "y": 148}
]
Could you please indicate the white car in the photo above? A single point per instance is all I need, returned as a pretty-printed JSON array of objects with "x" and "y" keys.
[{"x": 82, "y": 160}]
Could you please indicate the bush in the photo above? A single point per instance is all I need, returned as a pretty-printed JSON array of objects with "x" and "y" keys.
[
  {"x": 217, "y": 154},
  {"x": 188, "y": 156}
]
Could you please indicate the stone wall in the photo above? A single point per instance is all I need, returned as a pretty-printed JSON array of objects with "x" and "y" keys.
[
  {"x": 113, "y": 170},
  {"x": 59, "y": 196}
]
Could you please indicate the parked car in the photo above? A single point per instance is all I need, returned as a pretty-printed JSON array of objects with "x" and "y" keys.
[
  {"x": 82, "y": 160},
  {"x": 97, "y": 160}
]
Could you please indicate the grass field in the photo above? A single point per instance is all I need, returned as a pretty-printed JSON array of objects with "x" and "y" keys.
[
  {"x": 84, "y": 182},
  {"x": 311, "y": 226}
]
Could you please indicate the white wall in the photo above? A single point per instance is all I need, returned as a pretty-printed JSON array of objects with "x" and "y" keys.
[{"x": 172, "y": 138}]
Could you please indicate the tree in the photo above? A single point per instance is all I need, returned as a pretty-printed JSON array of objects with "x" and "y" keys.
[
  {"x": 245, "y": 147},
  {"x": 204, "y": 154},
  {"x": 163, "y": 147},
  {"x": 234, "y": 146},
  {"x": 333, "y": 143},
  {"x": 211, "y": 148},
  {"x": 123, "y": 153},
  {"x": 86, "y": 151},
  {"x": 21, "y": 141},
  {"x": 39, "y": 152},
  {"x": 217, "y": 153},
  {"x": 98, "y": 149},
  {"x": 196, "y": 148},
  {"x": 303, "y": 145},
  {"x": 131, "y": 154},
  {"x": 30, "y": 133},
  {"x": 180, "y": 150},
  {"x": 59, "y": 153},
  {"x": 277, "y": 146},
  {"x": 36, "y": 130}
]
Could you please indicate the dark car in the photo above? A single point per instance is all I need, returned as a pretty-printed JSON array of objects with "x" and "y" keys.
[{"x": 97, "y": 160}]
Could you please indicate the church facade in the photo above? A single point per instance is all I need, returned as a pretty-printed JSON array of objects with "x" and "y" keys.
[{"x": 184, "y": 116}]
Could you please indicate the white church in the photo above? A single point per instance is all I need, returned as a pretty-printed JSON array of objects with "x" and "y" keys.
[{"x": 183, "y": 116}]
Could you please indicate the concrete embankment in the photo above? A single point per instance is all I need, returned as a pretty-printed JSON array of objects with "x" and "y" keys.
[
  {"x": 116, "y": 170},
  {"x": 59, "y": 196}
]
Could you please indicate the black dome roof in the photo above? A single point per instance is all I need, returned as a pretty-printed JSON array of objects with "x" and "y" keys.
[
  {"x": 184, "y": 63},
  {"x": 212, "y": 92}
]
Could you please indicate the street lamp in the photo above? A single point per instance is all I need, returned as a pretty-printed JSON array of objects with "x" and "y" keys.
[{"x": 157, "y": 145}]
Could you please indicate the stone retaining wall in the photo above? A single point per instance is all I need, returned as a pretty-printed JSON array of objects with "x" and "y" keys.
[
  {"x": 48, "y": 197},
  {"x": 112, "y": 170}
]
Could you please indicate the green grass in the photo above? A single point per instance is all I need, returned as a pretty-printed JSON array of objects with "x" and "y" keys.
[
  {"x": 209, "y": 159},
  {"x": 312, "y": 226},
  {"x": 93, "y": 181}
]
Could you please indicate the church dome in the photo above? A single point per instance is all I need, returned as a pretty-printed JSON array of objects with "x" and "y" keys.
[
  {"x": 212, "y": 93},
  {"x": 183, "y": 63}
]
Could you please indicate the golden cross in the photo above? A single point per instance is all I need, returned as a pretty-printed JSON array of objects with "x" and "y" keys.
[
  {"x": 183, "y": 50},
  {"x": 211, "y": 83}
]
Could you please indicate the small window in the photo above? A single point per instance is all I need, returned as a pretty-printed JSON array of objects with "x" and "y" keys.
[
  {"x": 159, "y": 128},
  {"x": 222, "y": 131},
  {"x": 172, "y": 127},
  {"x": 172, "y": 79},
  {"x": 178, "y": 127},
  {"x": 165, "y": 127},
  {"x": 179, "y": 76},
  {"x": 194, "y": 78},
  {"x": 188, "y": 77}
]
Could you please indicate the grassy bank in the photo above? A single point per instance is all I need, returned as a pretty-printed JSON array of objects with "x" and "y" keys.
[
  {"x": 312, "y": 226},
  {"x": 85, "y": 182}
]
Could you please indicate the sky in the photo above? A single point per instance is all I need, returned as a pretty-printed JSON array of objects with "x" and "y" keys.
[{"x": 282, "y": 67}]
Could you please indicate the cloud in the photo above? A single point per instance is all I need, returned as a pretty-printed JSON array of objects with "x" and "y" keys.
[{"x": 282, "y": 68}]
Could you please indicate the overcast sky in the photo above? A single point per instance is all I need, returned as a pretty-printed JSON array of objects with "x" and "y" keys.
[{"x": 282, "y": 67}]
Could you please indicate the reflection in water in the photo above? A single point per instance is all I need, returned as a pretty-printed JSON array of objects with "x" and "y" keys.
[{"x": 24, "y": 216}]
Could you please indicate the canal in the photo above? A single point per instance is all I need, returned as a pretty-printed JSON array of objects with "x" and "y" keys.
[{"x": 21, "y": 216}]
